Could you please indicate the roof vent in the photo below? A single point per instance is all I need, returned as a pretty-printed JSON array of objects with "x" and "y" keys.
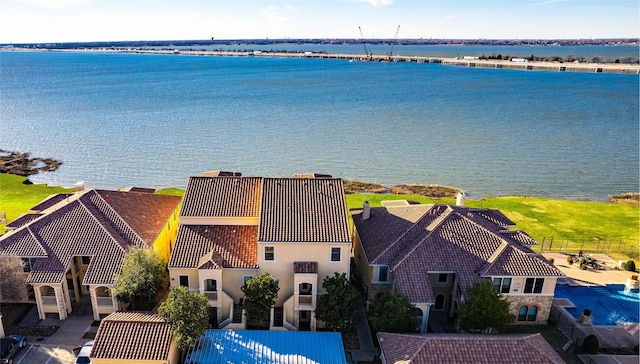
[
  {"x": 366, "y": 211},
  {"x": 79, "y": 186}
]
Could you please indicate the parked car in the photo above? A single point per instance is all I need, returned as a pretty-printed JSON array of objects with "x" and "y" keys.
[
  {"x": 83, "y": 355},
  {"x": 9, "y": 347}
]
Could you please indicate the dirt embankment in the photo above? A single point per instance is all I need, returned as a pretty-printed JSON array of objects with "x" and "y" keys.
[
  {"x": 23, "y": 165},
  {"x": 627, "y": 197},
  {"x": 431, "y": 191}
]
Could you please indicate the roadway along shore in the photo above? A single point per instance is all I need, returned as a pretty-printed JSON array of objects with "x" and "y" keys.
[{"x": 519, "y": 64}]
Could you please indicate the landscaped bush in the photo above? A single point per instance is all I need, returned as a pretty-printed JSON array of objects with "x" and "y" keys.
[
  {"x": 570, "y": 260},
  {"x": 590, "y": 345},
  {"x": 551, "y": 260},
  {"x": 587, "y": 312},
  {"x": 630, "y": 266}
]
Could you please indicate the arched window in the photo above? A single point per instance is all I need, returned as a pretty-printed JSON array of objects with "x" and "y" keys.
[
  {"x": 439, "y": 301},
  {"x": 522, "y": 314},
  {"x": 533, "y": 312}
]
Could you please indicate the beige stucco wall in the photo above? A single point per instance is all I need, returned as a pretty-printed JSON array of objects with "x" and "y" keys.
[
  {"x": 517, "y": 285},
  {"x": 281, "y": 268}
]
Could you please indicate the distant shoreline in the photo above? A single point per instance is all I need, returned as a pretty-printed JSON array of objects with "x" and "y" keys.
[{"x": 516, "y": 63}]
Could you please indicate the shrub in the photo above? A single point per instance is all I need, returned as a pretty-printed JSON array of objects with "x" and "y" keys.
[
  {"x": 551, "y": 260},
  {"x": 587, "y": 312},
  {"x": 570, "y": 260},
  {"x": 590, "y": 345},
  {"x": 630, "y": 266}
]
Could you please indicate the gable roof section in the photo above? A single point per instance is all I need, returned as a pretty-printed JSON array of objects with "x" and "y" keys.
[
  {"x": 222, "y": 197},
  {"x": 85, "y": 225},
  {"x": 443, "y": 238},
  {"x": 50, "y": 201},
  {"x": 303, "y": 210},
  {"x": 132, "y": 336},
  {"x": 466, "y": 348},
  {"x": 228, "y": 246},
  {"x": 22, "y": 220}
]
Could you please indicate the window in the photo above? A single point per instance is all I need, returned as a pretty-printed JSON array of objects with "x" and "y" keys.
[
  {"x": 439, "y": 301},
  {"x": 86, "y": 260},
  {"x": 443, "y": 278},
  {"x": 335, "y": 254},
  {"x": 27, "y": 264},
  {"x": 383, "y": 273},
  {"x": 211, "y": 285},
  {"x": 533, "y": 285},
  {"x": 269, "y": 253},
  {"x": 184, "y": 281},
  {"x": 245, "y": 279},
  {"x": 305, "y": 288},
  {"x": 502, "y": 285},
  {"x": 527, "y": 313}
]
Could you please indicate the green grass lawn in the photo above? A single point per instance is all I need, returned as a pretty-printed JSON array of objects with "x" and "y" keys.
[{"x": 570, "y": 223}]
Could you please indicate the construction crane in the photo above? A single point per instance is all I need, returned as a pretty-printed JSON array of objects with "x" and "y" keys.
[
  {"x": 364, "y": 45},
  {"x": 395, "y": 38}
]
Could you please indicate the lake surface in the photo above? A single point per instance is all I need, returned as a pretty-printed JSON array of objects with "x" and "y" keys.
[{"x": 154, "y": 120}]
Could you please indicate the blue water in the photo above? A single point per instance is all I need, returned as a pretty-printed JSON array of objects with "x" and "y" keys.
[
  {"x": 609, "y": 304},
  {"x": 153, "y": 120}
]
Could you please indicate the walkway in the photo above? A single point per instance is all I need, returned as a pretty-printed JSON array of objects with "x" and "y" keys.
[{"x": 367, "y": 351}]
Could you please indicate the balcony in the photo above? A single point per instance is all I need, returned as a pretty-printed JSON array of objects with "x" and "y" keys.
[
  {"x": 305, "y": 300},
  {"x": 49, "y": 301},
  {"x": 104, "y": 301}
]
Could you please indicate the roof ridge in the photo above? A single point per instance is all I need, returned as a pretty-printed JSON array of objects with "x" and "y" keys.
[{"x": 102, "y": 227}]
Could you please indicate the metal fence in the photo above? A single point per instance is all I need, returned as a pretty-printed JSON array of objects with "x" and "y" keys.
[
  {"x": 567, "y": 325},
  {"x": 590, "y": 245}
]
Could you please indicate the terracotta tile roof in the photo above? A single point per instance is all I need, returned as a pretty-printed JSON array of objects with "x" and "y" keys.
[
  {"x": 22, "y": 220},
  {"x": 50, "y": 201},
  {"x": 434, "y": 238},
  {"x": 303, "y": 210},
  {"x": 305, "y": 267},
  {"x": 222, "y": 197},
  {"x": 232, "y": 246},
  {"x": 87, "y": 225},
  {"x": 518, "y": 236},
  {"x": 466, "y": 348},
  {"x": 132, "y": 336}
]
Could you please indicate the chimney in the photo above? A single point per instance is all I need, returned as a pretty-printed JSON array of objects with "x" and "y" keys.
[
  {"x": 461, "y": 199},
  {"x": 79, "y": 186},
  {"x": 366, "y": 211}
]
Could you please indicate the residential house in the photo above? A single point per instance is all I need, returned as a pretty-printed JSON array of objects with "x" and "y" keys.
[
  {"x": 466, "y": 348},
  {"x": 432, "y": 253},
  {"x": 233, "y": 228},
  {"x": 73, "y": 245},
  {"x": 134, "y": 337},
  {"x": 267, "y": 347}
]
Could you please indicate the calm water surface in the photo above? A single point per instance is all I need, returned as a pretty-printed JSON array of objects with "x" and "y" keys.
[{"x": 153, "y": 120}]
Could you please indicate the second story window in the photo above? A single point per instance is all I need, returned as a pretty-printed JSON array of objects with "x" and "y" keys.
[
  {"x": 533, "y": 285},
  {"x": 335, "y": 254},
  {"x": 502, "y": 285},
  {"x": 383, "y": 273},
  {"x": 269, "y": 253}
]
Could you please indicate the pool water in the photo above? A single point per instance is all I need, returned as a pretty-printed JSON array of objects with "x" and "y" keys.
[{"x": 609, "y": 304}]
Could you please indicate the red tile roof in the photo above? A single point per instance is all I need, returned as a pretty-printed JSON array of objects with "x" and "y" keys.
[
  {"x": 303, "y": 210},
  {"x": 88, "y": 225},
  {"x": 132, "y": 336},
  {"x": 417, "y": 239},
  {"x": 222, "y": 197},
  {"x": 466, "y": 348},
  {"x": 228, "y": 246}
]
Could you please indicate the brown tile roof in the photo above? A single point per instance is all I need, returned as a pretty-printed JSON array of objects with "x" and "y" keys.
[
  {"x": 132, "y": 336},
  {"x": 88, "y": 225},
  {"x": 518, "y": 236},
  {"x": 305, "y": 267},
  {"x": 466, "y": 348},
  {"x": 22, "y": 220},
  {"x": 303, "y": 210},
  {"x": 418, "y": 239},
  {"x": 222, "y": 197},
  {"x": 50, "y": 201},
  {"x": 233, "y": 246}
]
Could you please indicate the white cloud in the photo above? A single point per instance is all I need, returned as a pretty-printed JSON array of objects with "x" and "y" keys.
[
  {"x": 377, "y": 3},
  {"x": 55, "y": 3},
  {"x": 548, "y": 2},
  {"x": 273, "y": 15}
]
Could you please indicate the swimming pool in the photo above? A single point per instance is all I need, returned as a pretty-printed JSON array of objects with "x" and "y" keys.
[{"x": 609, "y": 304}]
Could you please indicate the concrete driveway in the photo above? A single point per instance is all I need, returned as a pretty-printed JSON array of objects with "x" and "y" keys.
[{"x": 45, "y": 354}]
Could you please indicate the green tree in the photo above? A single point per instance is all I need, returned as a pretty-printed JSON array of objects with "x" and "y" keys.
[
  {"x": 260, "y": 293},
  {"x": 338, "y": 307},
  {"x": 187, "y": 313},
  {"x": 483, "y": 307},
  {"x": 391, "y": 312},
  {"x": 142, "y": 277}
]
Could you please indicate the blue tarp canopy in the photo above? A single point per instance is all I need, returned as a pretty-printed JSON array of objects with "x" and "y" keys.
[{"x": 267, "y": 347}]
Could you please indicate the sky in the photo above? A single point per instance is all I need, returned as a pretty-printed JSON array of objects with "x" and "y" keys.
[{"x": 40, "y": 21}]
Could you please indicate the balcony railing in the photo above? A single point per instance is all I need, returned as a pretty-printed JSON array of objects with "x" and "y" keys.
[
  {"x": 49, "y": 300},
  {"x": 305, "y": 300},
  {"x": 104, "y": 301},
  {"x": 211, "y": 295}
]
